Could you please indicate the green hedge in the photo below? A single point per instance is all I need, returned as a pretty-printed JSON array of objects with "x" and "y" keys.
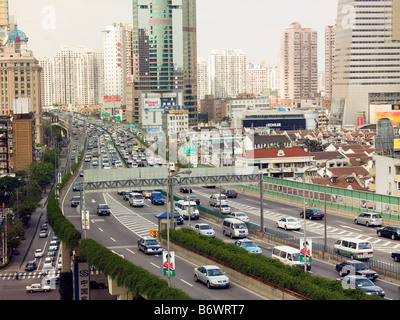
[
  {"x": 138, "y": 280},
  {"x": 61, "y": 226},
  {"x": 268, "y": 269}
]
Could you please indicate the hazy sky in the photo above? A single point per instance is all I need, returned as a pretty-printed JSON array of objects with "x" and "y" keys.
[{"x": 253, "y": 26}]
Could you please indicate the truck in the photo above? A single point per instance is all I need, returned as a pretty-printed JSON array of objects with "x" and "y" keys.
[{"x": 156, "y": 198}]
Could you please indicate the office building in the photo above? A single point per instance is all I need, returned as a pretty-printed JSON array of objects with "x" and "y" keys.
[
  {"x": 165, "y": 52},
  {"x": 367, "y": 59},
  {"x": 298, "y": 63}
]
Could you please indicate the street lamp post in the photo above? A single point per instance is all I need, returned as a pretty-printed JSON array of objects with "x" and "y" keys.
[
  {"x": 304, "y": 217},
  {"x": 170, "y": 208}
]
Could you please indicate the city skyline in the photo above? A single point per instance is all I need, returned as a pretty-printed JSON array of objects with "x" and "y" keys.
[{"x": 50, "y": 26}]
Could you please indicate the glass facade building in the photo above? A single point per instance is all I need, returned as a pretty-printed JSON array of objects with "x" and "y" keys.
[{"x": 165, "y": 52}]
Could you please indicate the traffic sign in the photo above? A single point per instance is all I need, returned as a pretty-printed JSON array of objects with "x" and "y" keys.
[{"x": 190, "y": 149}]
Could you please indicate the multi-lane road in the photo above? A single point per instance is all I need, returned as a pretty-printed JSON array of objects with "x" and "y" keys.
[{"x": 121, "y": 230}]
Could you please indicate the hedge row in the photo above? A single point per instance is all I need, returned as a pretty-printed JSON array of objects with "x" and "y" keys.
[
  {"x": 138, "y": 280},
  {"x": 268, "y": 269}
]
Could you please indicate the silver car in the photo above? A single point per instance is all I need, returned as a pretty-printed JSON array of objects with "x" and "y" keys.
[
  {"x": 204, "y": 229},
  {"x": 369, "y": 219},
  {"x": 211, "y": 276}
]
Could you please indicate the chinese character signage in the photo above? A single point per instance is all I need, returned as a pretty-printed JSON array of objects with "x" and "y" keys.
[{"x": 81, "y": 280}]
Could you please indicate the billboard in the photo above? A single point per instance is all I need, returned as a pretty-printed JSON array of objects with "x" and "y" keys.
[
  {"x": 114, "y": 98},
  {"x": 394, "y": 116},
  {"x": 151, "y": 103}
]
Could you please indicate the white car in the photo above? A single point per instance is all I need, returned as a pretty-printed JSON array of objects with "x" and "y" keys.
[
  {"x": 53, "y": 245},
  {"x": 37, "y": 287},
  {"x": 47, "y": 263},
  {"x": 241, "y": 216},
  {"x": 288, "y": 223},
  {"x": 39, "y": 253}
]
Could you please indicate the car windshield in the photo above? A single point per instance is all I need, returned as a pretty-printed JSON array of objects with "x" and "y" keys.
[
  {"x": 291, "y": 220},
  {"x": 204, "y": 227},
  {"x": 152, "y": 242},
  {"x": 360, "y": 266},
  {"x": 248, "y": 244},
  {"x": 240, "y": 215},
  {"x": 104, "y": 206},
  {"x": 364, "y": 245},
  {"x": 215, "y": 272},
  {"x": 138, "y": 196},
  {"x": 295, "y": 256},
  {"x": 376, "y": 216},
  {"x": 239, "y": 226},
  {"x": 363, "y": 283}
]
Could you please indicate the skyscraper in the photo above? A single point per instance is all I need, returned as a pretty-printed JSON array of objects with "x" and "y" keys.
[
  {"x": 165, "y": 51},
  {"x": 329, "y": 58},
  {"x": 298, "y": 63},
  {"x": 367, "y": 59}
]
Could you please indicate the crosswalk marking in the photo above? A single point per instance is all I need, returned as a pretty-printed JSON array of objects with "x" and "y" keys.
[{"x": 127, "y": 217}]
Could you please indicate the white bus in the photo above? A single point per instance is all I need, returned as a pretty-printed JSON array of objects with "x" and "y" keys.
[{"x": 355, "y": 249}]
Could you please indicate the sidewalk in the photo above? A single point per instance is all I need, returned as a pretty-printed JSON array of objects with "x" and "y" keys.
[{"x": 18, "y": 262}]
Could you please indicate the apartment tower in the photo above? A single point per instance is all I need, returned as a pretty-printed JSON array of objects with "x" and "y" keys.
[
  {"x": 165, "y": 53},
  {"x": 298, "y": 63},
  {"x": 227, "y": 72},
  {"x": 329, "y": 58},
  {"x": 367, "y": 59}
]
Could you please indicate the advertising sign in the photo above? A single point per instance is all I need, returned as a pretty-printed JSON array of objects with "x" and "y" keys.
[
  {"x": 305, "y": 250},
  {"x": 394, "y": 116},
  {"x": 85, "y": 220},
  {"x": 82, "y": 280},
  {"x": 171, "y": 259},
  {"x": 151, "y": 103},
  {"x": 114, "y": 98}
]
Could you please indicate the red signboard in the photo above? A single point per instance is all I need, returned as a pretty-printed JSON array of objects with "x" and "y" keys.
[{"x": 112, "y": 98}]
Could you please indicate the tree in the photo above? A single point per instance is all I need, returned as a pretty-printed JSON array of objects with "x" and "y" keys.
[{"x": 313, "y": 145}]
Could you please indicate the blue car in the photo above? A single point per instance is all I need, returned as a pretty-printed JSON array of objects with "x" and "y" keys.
[
  {"x": 149, "y": 245},
  {"x": 248, "y": 245}
]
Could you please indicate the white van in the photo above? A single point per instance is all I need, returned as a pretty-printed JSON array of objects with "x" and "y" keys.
[
  {"x": 136, "y": 200},
  {"x": 234, "y": 228},
  {"x": 355, "y": 249},
  {"x": 289, "y": 255},
  {"x": 216, "y": 200},
  {"x": 183, "y": 210}
]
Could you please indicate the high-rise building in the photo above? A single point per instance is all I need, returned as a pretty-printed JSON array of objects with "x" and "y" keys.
[
  {"x": 256, "y": 79},
  {"x": 227, "y": 72},
  {"x": 272, "y": 78},
  {"x": 78, "y": 75},
  {"x": 65, "y": 76},
  {"x": 202, "y": 79},
  {"x": 165, "y": 51},
  {"x": 329, "y": 58},
  {"x": 366, "y": 60},
  {"x": 115, "y": 66},
  {"x": 298, "y": 63},
  {"x": 47, "y": 81}
]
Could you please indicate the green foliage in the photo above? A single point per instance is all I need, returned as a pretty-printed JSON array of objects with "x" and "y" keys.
[
  {"x": 62, "y": 227},
  {"x": 268, "y": 269},
  {"x": 66, "y": 286}
]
